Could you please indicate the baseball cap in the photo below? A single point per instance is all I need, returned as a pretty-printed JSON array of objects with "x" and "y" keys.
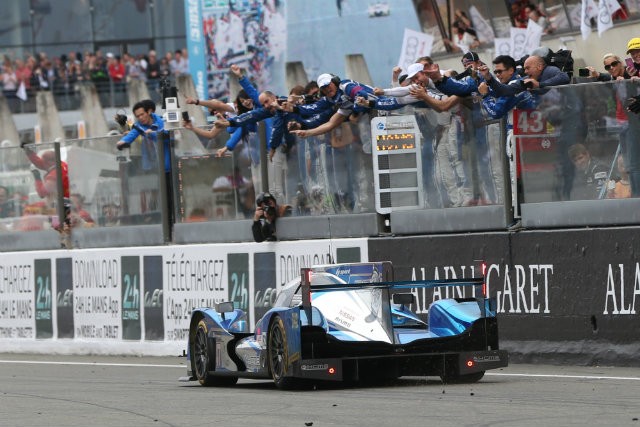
[
  {"x": 414, "y": 69},
  {"x": 633, "y": 44},
  {"x": 323, "y": 80},
  {"x": 470, "y": 57},
  {"x": 109, "y": 55}
]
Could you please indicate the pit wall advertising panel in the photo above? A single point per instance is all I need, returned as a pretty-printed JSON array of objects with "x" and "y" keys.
[
  {"x": 139, "y": 300},
  {"x": 568, "y": 295}
]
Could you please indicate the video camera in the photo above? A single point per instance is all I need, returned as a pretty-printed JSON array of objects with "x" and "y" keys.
[{"x": 169, "y": 101}]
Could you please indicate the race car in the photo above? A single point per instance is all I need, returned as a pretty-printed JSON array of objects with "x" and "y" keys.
[{"x": 349, "y": 322}]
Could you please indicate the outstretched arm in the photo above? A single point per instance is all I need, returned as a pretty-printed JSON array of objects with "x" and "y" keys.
[
  {"x": 211, "y": 103},
  {"x": 335, "y": 121}
]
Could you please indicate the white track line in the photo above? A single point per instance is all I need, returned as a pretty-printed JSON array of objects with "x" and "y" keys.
[
  {"x": 581, "y": 377},
  {"x": 135, "y": 365}
]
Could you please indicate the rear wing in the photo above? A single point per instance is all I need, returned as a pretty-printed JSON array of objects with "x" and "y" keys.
[{"x": 361, "y": 270}]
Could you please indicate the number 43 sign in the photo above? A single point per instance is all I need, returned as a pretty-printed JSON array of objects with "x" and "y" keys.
[{"x": 414, "y": 45}]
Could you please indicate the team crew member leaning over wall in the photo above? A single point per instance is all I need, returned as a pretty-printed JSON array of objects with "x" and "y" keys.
[{"x": 150, "y": 127}]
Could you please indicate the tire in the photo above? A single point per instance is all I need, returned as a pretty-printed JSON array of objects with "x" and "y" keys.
[
  {"x": 203, "y": 360},
  {"x": 278, "y": 356},
  {"x": 462, "y": 379}
]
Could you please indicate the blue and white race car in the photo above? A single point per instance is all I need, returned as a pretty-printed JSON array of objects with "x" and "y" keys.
[{"x": 349, "y": 322}]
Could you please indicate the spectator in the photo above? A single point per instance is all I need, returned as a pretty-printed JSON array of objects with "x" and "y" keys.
[
  {"x": 134, "y": 71},
  {"x": 153, "y": 67},
  {"x": 614, "y": 67},
  {"x": 110, "y": 215},
  {"x": 620, "y": 188},
  {"x": 99, "y": 73},
  {"x": 534, "y": 14},
  {"x": 591, "y": 175},
  {"x": 9, "y": 83},
  {"x": 117, "y": 73},
  {"x": 464, "y": 38},
  {"x": 633, "y": 50},
  {"x": 77, "y": 208},
  {"x": 7, "y": 207},
  {"x": 179, "y": 65},
  {"x": 23, "y": 73}
]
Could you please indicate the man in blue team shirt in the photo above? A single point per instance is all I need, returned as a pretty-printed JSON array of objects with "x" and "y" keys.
[{"x": 148, "y": 125}]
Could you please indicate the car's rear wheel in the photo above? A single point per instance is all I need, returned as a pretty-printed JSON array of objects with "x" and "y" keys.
[
  {"x": 279, "y": 355},
  {"x": 204, "y": 360},
  {"x": 451, "y": 378}
]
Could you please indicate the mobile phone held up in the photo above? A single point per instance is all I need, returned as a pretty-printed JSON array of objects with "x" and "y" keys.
[
  {"x": 629, "y": 62},
  {"x": 185, "y": 116}
]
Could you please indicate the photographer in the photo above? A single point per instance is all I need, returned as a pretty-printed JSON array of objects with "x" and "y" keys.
[
  {"x": 539, "y": 75},
  {"x": 148, "y": 125},
  {"x": 265, "y": 217}
]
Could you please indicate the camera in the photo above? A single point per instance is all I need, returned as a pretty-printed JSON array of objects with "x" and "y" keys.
[
  {"x": 269, "y": 210},
  {"x": 282, "y": 100},
  {"x": 121, "y": 120},
  {"x": 310, "y": 99},
  {"x": 583, "y": 72},
  {"x": 169, "y": 101},
  {"x": 528, "y": 85}
]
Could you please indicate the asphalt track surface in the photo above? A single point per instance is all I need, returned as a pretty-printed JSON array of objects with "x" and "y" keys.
[{"x": 38, "y": 390}]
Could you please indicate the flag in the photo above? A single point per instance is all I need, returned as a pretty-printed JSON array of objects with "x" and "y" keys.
[
  {"x": 415, "y": 45},
  {"x": 518, "y": 41},
  {"x": 482, "y": 27},
  {"x": 606, "y": 8},
  {"x": 502, "y": 46},
  {"x": 534, "y": 34},
  {"x": 22, "y": 92},
  {"x": 589, "y": 11}
]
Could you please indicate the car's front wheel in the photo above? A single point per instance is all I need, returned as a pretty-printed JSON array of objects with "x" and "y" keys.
[{"x": 204, "y": 360}]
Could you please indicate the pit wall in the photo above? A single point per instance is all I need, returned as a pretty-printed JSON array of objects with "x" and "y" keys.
[{"x": 563, "y": 296}]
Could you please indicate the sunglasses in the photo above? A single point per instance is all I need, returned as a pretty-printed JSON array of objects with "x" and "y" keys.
[
  {"x": 610, "y": 66},
  {"x": 498, "y": 72}
]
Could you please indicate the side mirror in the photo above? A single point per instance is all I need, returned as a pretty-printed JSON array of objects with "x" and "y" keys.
[
  {"x": 404, "y": 299},
  {"x": 225, "y": 307}
]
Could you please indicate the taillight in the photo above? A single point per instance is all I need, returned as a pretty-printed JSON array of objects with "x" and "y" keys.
[
  {"x": 332, "y": 371},
  {"x": 470, "y": 363}
]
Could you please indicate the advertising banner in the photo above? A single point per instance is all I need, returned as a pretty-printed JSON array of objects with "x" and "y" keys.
[
  {"x": 558, "y": 286},
  {"x": 131, "y": 296}
]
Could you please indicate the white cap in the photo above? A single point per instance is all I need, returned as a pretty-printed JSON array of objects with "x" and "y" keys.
[
  {"x": 109, "y": 55},
  {"x": 414, "y": 69},
  {"x": 324, "y": 80}
]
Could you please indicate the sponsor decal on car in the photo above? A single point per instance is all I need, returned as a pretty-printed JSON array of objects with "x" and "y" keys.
[{"x": 315, "y": 367}]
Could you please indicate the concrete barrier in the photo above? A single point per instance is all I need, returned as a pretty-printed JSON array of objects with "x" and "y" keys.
[
  {"x": 48, "y": 117},
  {"x": 356, "y": 69},
  {"x": 296, "y": 75},
  {"x": 8, "y": 129},
  {"x": 91, "y": 109},
  {"x": 137, "y": 91}
]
